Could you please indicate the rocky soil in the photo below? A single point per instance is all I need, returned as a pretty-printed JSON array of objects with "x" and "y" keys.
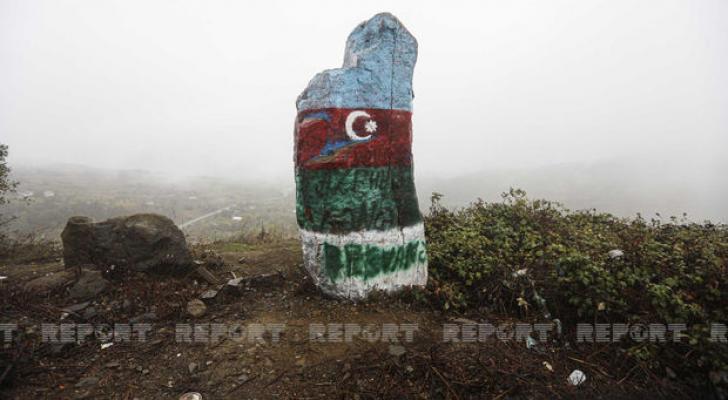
[{"x": 273, "y": 290}]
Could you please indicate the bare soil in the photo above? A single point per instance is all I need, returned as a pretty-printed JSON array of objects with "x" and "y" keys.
[{"x": 295, "y": 367}]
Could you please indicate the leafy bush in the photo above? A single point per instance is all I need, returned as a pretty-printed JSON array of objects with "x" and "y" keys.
[
  {"x": 6, "y": 186},
  {"x": 521, "y": 257}
]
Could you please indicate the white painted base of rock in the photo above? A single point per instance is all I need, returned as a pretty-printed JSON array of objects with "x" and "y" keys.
[{"x": 356, "y": 288}]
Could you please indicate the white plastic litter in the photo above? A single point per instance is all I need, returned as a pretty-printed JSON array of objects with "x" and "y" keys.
[
  {"x": 576, "y": 377},
  {"x": 520, "y": 272},
  {"x": 616, "y": 253},
  {"x": 548, "y": 366},
  {"x": 191, "y": 396}
]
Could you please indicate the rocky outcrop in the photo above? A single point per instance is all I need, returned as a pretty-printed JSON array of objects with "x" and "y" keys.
[
  {"x": 141, "y": 242},
  {"x": 356, "y": 204}
]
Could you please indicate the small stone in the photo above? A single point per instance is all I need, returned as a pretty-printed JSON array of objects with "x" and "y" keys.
[
  {"x": 145, "y": 371},
  {"x": 209, "y": 294},
  {"x": 243, "y": 378},
  {"x": 196, "y": 308},
  {"x": 397, "y": 350},
  {"x": 192, "y": 367},
  {"x": 45, "y": 284},
  {"x": 88, "y": 381},
  {"x": 90, "y": 313},
  {"x": 77, "y": 307},
  {"x": 146, "y": 317},
  {"x": 113, "y": 364},
  {"x": 191, "y": 396},
  {"x": 241, "y": 260},
  {"x": 89, "y": 285}
]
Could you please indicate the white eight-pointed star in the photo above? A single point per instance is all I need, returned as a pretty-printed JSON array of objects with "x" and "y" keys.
[{"x": 371, "y": 126}]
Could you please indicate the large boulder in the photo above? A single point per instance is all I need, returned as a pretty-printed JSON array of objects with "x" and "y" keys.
[
  {"x": 356, "y": 203},
  {"x": 141, "y": 242}
]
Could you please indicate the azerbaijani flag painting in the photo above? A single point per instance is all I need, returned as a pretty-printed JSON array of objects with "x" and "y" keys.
[{"x": 356, "y": 204}]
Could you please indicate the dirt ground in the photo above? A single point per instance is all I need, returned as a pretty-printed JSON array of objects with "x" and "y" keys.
[{"x": 300, "y": 365}]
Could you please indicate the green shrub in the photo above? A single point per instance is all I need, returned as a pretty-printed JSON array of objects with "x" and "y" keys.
[{"x": 535, "y": 258}]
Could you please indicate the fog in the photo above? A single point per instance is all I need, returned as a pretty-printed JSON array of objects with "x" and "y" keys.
[{"x": 207, "y": 88}]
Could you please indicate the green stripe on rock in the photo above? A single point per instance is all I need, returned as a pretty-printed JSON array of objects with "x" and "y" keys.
[
  {"x": 347, "y": 200},
  {"x": 366, "y": 261}
]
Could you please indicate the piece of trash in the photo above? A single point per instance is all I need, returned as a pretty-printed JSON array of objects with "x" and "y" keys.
[
  {"x": 601, "y": 306},
  {"x": 530, "y": 342},
  {"x": 557, "y": 326},
  {"x": 576, "y": 378},
  {"x": 522, "y": 302},
  {"x": 548, "y": 366},
  {"x": 616, "y": 253},
  {"x": 520, "y": 272},
  {"x": 191, "y": 396},
  {"x": 106, "y": 345},
  {"x": 2, "y": 278}
]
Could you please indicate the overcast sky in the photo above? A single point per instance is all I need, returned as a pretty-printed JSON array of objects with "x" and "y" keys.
[{"x": 208, "y": 87}]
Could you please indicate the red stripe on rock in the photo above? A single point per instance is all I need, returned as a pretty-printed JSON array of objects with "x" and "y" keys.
[{"x": 334, "y": 138}]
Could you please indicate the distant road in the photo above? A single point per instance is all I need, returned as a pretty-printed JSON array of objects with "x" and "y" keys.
[{"x": 208, "y": 215}]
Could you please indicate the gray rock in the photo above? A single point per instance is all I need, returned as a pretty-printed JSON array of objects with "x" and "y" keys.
[
  {"x": 396, "y": 350},
  {"x": 89, "y": 285},
  {"x": 139, "y": 242},
  {"x": 88, "y": 381},
  {"x": 192, "y": 367},
  {"x": 146, "y": 317},
  {"x": 45, "y": 284},
  {"x": 77, "y": 307},
  {"x": 209, "y": 294},
  {"x": 90, "y": 313}
]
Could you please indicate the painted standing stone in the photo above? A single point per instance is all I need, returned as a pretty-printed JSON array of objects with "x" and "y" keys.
[{"x": 356, "y": 204}]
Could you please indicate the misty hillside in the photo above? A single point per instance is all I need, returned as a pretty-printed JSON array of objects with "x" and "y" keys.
[
  {"x": 48, "y": 196},
  {"x": 622, "y": 187}
]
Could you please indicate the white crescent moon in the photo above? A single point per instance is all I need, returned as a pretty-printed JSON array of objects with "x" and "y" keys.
[{"x": 350, "y": 125}]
